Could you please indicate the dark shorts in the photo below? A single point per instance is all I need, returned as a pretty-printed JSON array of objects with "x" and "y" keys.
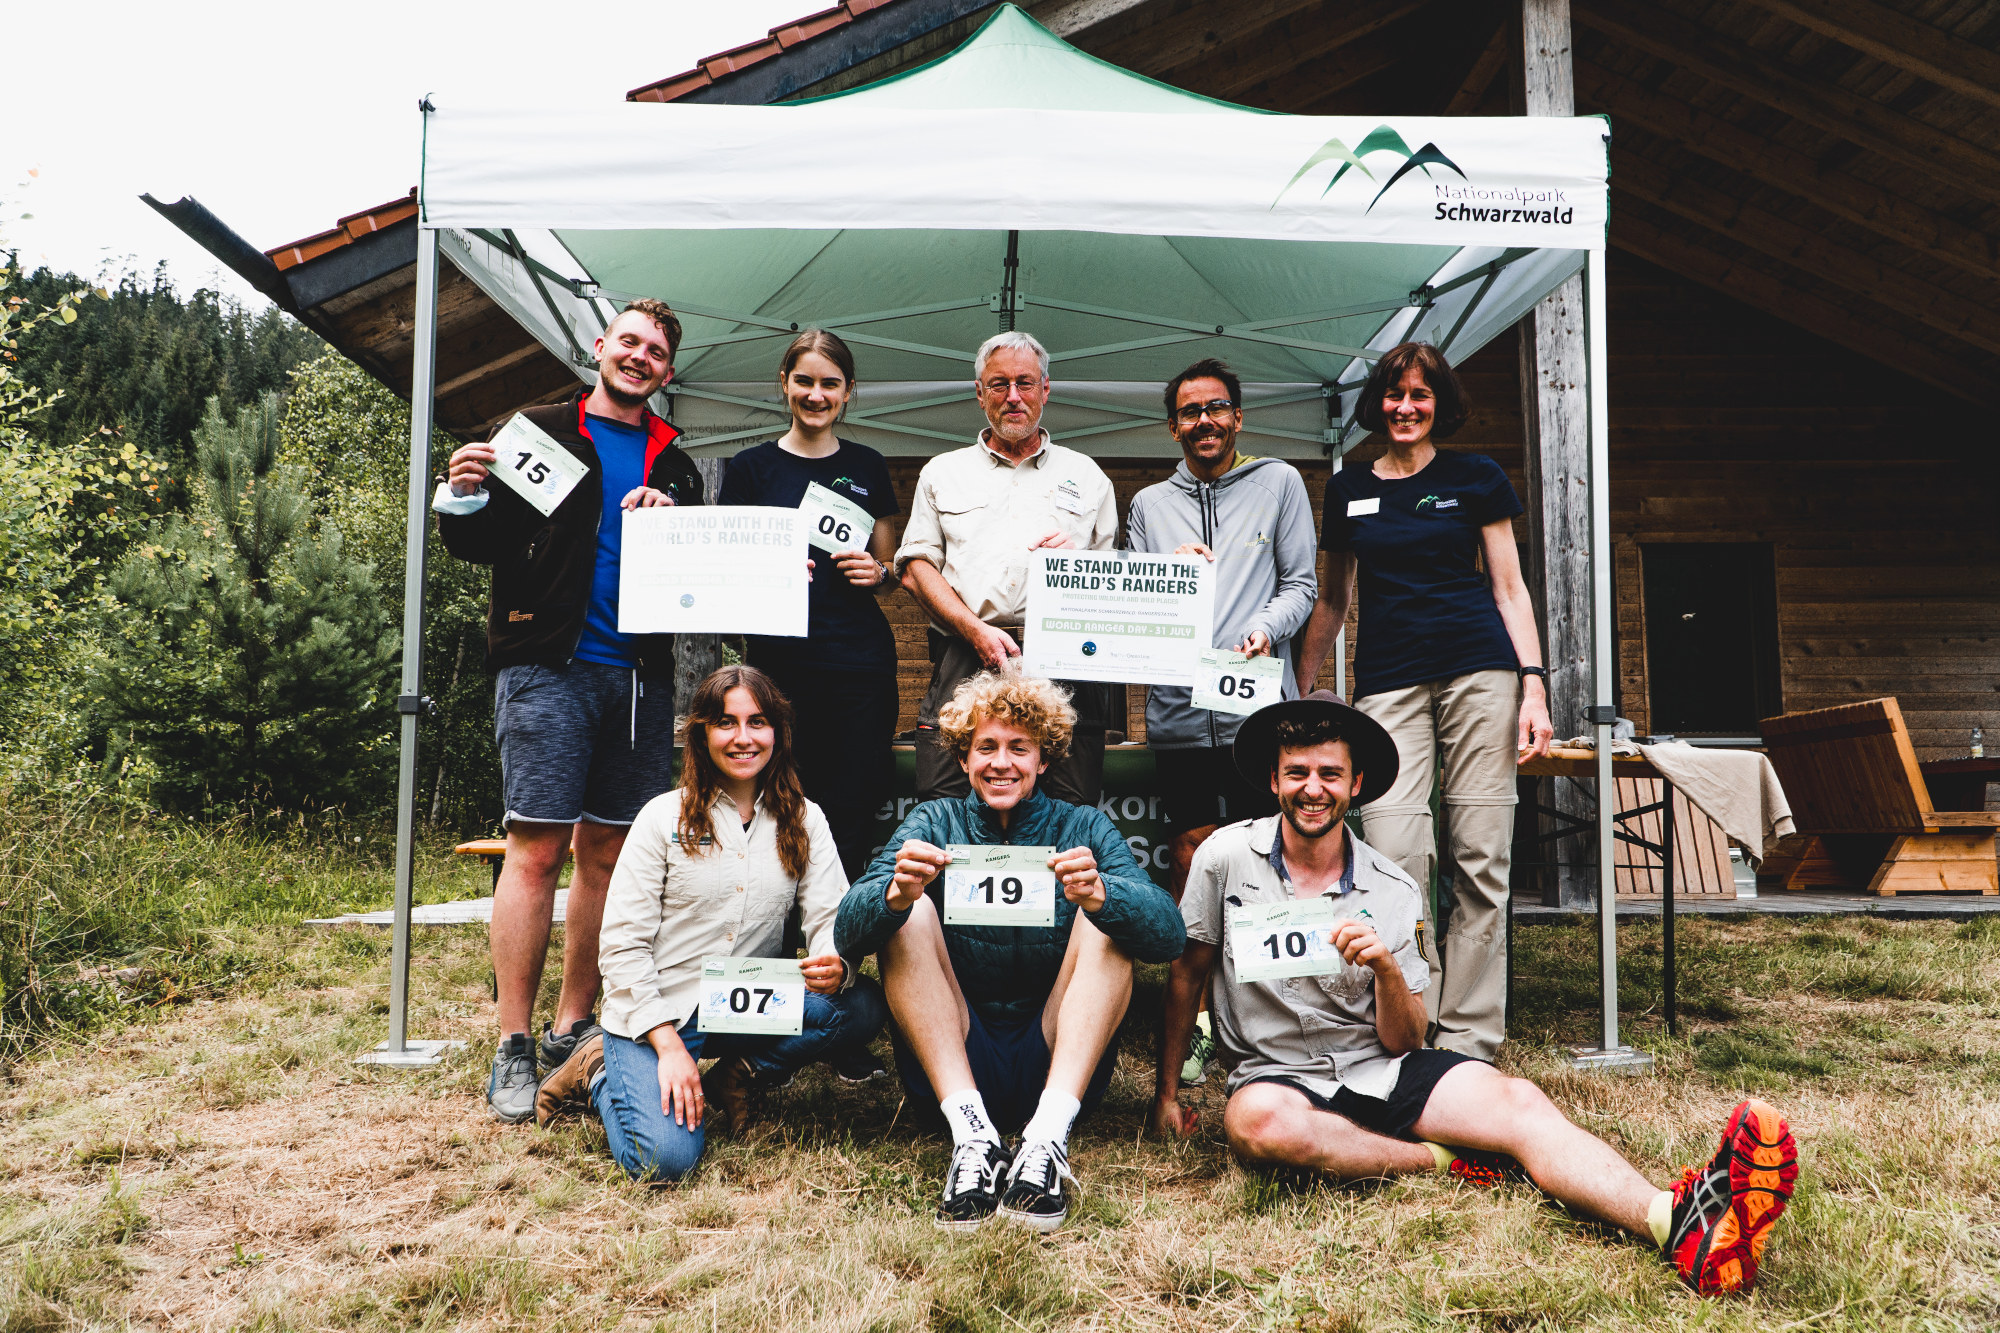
[
  {"x": 583, "y": 742},
  {"x": 1010, "y": 1066},
  {"x": 1199, "y": 787},
  {"x": 1397, "y": 1116}
]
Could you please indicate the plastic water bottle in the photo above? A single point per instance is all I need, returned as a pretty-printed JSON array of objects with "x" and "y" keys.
[{"x": 1978, "y": 743}]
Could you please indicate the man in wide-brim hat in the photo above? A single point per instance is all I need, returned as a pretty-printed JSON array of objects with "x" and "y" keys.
[{"x": 1311, "y": 944}]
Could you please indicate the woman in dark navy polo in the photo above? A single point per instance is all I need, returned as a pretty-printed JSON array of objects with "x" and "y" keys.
[
  {"x": 1446, "y": 658},
  {"x": 841, "y": 677}
]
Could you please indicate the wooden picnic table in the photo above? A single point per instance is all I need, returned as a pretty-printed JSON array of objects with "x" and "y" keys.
[
  {"x": 1959, "y": 784},
  {"x": 493, "y": 851}
]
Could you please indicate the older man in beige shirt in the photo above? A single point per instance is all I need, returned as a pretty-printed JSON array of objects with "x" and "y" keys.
[{"x": 976, "y": 519}]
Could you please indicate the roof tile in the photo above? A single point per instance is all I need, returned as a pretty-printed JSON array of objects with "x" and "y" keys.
[
  {"x": 346, "y": 232},
  {"x": 780, "y": 39}
]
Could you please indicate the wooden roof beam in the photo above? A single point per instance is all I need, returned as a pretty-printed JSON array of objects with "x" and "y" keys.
[
  {"x": 1757, "y": 285},
  {"x": 1862, "y": 121},
  {"x": 1280, "y": 48},
  {"x": 1479, "y": 79},
  {"x": 1160, "y": 37},
  {"x": 1911, "y": 45},
  {"x": 1303, "y": 89},
  {"x": 1846, "y": 196}
]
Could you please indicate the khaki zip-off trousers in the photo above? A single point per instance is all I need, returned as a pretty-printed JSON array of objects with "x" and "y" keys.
[{"x": 1472, "y": 722}]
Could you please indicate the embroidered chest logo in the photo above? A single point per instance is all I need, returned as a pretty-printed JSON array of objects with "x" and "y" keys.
[{"x": 849, "y": 483}]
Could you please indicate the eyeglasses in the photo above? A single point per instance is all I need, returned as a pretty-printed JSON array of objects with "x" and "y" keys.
[
  {"x": 1193, "y": 412},
  {"x": 1027, "y": 384}
]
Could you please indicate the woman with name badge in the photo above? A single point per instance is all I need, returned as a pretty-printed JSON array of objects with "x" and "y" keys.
[
  {"x": 841, "y": 677},
  {"x": 693, "y": 935},
  {"x": 1447, "y": 660}
]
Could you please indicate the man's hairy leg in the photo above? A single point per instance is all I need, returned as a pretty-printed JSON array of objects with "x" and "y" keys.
[
  {"x": 1269, "y": 1124},
  {"x": 597, "y": 848},
  {"x": 1476, "y": 1106},
  {"x": 924, "y": 999},
  {"x": 523, "y": 905},
  {"x": 1085, "y": 1006}
]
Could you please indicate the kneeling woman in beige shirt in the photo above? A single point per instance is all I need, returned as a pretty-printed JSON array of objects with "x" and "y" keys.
[{"x": 712, "y": 870}]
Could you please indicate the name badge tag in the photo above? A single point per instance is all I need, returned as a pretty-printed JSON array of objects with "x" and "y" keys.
[
  {"x": 1358, "y": 508},
  {"x": 834, "y": 522},
  {"x": 766, "y": 996},
  {"x": 1227, "y": 682},
  {"x": 1069, "y": 498},
  {"x": 999, "y": 886},
  {"x": 1289, "y": 939},
  {"x": 534, "y": 466}
]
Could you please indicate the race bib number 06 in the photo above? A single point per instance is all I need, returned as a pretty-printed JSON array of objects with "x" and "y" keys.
[
  {"x": 1226, "y": 682},
  {"x": 534, "y": 466},
  {"x": 834, "y": 522},
  {"x": 999, "y": 886},
  {"x": 1292, "y": 939},
  {"x": 757, "y": 995}
]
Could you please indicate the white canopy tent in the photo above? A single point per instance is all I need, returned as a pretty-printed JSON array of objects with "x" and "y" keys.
[{"x": 1015, "y": 182}]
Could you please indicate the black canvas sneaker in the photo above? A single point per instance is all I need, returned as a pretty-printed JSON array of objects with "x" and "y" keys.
[
  {"x": 858, "y": 1065},
  {"x": 1034, "y": 1195},
  {"x": 972, "y": 1185}
]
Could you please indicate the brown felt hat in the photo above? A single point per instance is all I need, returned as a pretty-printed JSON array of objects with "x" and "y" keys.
[{"x": 1374, "y": 752}]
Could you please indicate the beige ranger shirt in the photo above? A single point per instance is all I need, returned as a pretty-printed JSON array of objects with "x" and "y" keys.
[
  {"x": 1317, "y": 1031},
  {"x": 666, "y": 910},
  {"x": 975, "y": 516}
]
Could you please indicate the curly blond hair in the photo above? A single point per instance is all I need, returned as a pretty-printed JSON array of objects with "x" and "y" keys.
[{"x": 1039, "y": 707}]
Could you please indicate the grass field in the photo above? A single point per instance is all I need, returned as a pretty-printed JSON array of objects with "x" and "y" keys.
[{"x": 218, "y": 1161}]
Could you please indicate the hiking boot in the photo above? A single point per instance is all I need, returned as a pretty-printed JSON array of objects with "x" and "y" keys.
[
  {"x": 554, "y": 1050},
  {"x": 857, "y": 1065},
  {"x": 1201, "y": 1049},
  {"x": 1034, "y": 1196},
  {"x": 726, "y": 1090},
  {"x": 971, "y": 1185},
  {"x": 511, "y": 1089},
  {"x": 567, "y": 1087},
  {"x": 1489, "y": 1170},
  {"x": 1723, "y": 1212}
]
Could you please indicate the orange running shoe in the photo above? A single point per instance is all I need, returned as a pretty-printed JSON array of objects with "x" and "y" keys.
[
  {"x": 1490, "y": 1170},
  {"x": 1723, "y": 1212}
]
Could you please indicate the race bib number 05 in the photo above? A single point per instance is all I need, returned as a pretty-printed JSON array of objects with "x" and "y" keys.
[
  {"x": 534, "y": 466},
  {"x": 999, "y": 886},
  {"x": 834, "y": 522},
  {"x": 1292, "y": 939},
  {"x": 759, "y": 995},
  {"x": 1226, "y": 682}
]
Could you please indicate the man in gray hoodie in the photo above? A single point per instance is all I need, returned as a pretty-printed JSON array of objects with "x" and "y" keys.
[{"x": 1253, "y": 519}]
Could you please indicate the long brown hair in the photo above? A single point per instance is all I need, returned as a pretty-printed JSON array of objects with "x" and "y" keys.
[
  {"x": 778, "y": 784},
  {"x": 1428, "y": 361}
]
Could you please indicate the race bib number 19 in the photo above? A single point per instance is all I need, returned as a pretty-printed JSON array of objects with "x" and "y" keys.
[
  {"x": 1226, "y": 682},
  {"x": 834, "y": 522},
  {"x": 757, "y": 995},
  {"x": 999, "y": 886},
  {"x": 1290, "y": 939},
  {"x": 534, "y": 466}
]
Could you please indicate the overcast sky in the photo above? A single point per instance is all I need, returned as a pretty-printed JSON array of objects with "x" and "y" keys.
[{"x": 283, "y": 117}]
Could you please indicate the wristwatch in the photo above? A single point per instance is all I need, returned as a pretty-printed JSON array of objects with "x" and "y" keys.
[{"x": 1527, "y": 671}]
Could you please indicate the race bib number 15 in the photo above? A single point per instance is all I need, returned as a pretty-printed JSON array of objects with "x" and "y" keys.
[
  {"x": 999, "y": 886},
  {"x": 758, "y": 995},
  {"x": 534, "y": 466},
  {"x": 1226, "y": 682},
  {"x": 1290, "y": 939}
]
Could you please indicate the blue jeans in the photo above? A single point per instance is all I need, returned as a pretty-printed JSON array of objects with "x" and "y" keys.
[{"x": 644, "y": 1138}]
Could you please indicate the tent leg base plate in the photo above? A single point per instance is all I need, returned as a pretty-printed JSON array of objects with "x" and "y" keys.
[
  {"x": 415, "y": 1054},
  {"x": 1617, "y": 1060}
]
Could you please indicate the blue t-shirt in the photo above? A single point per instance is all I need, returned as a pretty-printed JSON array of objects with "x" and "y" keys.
[
  {"x": 621, "y": 461},
  {"x": 845, "y": 627},
  {"x": 1427, "y": 610}
]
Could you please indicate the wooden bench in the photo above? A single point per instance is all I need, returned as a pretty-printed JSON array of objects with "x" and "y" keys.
[
  {"x": 1864, "y": 814},
  {"x": 493, "y": 851}
]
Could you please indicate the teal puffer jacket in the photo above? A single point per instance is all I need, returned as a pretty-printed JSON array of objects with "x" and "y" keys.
[{"x": 1006, "y": 972}]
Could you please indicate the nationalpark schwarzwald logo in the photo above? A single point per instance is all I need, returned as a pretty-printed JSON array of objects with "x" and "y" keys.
[{"x": 1455, "y": 203}]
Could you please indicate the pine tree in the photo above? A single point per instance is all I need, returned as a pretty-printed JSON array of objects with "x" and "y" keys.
[{"x": 256, "y": 659}]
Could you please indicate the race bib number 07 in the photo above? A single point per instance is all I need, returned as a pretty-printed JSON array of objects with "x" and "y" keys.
[
  {"x": 1291, "y": 939},
  {"x": 1226, "y": 682},
  {"x": 534, "y": 466},
  {"x": 834, "y": 522},
  {"x": 756, "y": 995},
  {"x": 999, "y": 886}
]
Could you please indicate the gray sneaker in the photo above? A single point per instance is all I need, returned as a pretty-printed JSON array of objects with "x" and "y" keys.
[
  {"x": 554, "y": 1050},
  {"x": 511, "y": 1090}
]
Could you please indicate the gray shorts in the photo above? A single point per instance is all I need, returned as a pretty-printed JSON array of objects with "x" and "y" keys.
[{"x": 583, "y": 742}]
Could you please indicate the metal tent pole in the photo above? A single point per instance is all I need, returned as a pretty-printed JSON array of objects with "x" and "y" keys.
[{"x": 399, "y": 1049}]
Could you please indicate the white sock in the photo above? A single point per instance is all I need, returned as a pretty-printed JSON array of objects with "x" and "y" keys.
[
  {"x": 1054, "y": 1114},
  {"x": 966, "y": 1113}
]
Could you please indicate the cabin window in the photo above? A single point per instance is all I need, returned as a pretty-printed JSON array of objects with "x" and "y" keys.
[{"x": 1711, "y": 637}]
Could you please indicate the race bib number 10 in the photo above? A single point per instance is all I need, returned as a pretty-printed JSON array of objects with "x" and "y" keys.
[
  {"x": 1290, "y": 939},
  {"x": 1226, "y": 682},
  {"x": 999, "y": 886},
  {"x": 758, "y": 995},
  {"x": 834, "y": 522},
  {"x": 534, "y": 466}
]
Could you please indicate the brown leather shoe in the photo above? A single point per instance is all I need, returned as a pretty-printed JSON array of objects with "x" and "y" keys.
[
  {"x": 567, "y": 1087},
  {"x": 726, "y": 1087}
]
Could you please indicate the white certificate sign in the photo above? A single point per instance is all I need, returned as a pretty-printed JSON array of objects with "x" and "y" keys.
[
  {"x": 712, "y": 569},
  {"x": 1118, "y": 616},
  {"x": 759, "y": 995},
  {"x": 1226, "y": 682},
  {"x": 834, "y": 522},
  {"x": 999, "y": 886},
  {"x": 1291, "y": 939},
  {"x": 534, "y": 466}
]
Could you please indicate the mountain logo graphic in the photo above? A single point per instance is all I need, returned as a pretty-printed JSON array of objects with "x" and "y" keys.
[
  {"x": 1427, "y": 501},
  {"x": 1381, "y": 139}
]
